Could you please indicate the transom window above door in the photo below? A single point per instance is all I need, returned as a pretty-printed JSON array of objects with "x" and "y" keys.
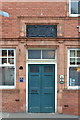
[
  {"x": 41, "y": 54},
  {"x": 41, "y": 30}
]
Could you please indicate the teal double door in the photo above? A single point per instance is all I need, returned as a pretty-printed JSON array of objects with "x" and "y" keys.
[{"x": 41, "y": 90}]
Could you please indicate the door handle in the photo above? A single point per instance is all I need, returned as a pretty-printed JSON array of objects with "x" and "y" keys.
[{"x": 34, "y": 90}]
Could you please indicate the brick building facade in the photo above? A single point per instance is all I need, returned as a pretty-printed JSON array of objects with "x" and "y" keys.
[{"x": 28, "y": 52}]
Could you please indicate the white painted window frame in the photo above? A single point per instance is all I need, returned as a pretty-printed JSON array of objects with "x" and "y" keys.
[
  {"x": 72, "y": 15},
  {"x": 10, "y": 65},
  {"x": 41, "y": 61},
  {"x": 71, "y": 87}
]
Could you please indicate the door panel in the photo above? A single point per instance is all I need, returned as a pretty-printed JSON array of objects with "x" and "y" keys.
[
  {"x": 41, "y": 88},
  {"x": 34, "y": 88},
  {"x": 48, "y": 84}
]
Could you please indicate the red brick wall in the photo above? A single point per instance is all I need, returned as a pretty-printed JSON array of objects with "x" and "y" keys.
[
  {"x": 71, "y": 102},
  {"x": 11, "y": 26},
  {"x": 55, "y": 12},
  {"x": 11, "y": 101},
  {"x": 71, "y": 29}
]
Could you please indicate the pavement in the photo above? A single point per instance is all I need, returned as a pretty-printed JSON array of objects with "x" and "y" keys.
[{"x": 35, "y": 116}]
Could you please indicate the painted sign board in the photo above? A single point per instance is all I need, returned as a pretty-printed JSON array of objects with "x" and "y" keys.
[
  {"x": 61, "y": 79},
  {"x": 21, "y": 79}
]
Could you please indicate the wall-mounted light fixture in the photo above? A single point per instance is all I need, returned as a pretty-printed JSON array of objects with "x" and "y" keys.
[
  {"x": 21, "y": 67},
  {"x": 78, "y": 27}
]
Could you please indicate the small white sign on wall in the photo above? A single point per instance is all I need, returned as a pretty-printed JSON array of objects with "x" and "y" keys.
[{"x": 61, "y": 79}]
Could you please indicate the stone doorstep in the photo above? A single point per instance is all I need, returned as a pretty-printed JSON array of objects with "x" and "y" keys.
[{"x": 37, "y": 115}]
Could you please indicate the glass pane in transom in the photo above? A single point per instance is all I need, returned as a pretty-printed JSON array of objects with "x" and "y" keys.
[
  {"x": 48, "y": 54},
  {"x": 34, "y": 54}
]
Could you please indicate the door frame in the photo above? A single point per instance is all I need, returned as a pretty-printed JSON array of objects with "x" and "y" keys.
[{"x": 42, "y": 62}]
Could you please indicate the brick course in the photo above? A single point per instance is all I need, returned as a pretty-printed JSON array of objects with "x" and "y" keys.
[
  {"x": 70, "y": 102},
  {"x": 56, "y": 10}
]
